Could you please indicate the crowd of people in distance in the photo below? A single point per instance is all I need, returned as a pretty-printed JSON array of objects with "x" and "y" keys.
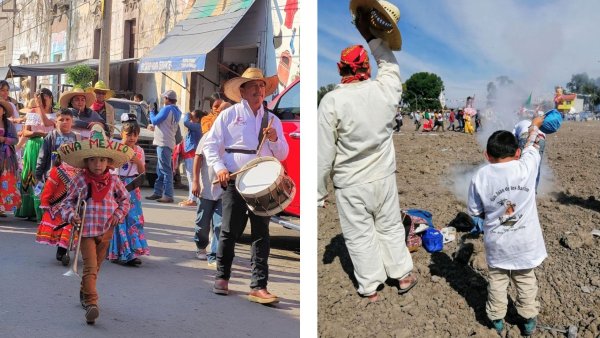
[{"x": 446, "y": 120}]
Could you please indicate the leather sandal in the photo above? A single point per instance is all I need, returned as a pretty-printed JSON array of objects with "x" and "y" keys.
[{"x": 410, "y": 276}]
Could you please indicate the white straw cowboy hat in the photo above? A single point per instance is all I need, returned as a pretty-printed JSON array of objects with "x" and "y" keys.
[
  {"x": 232, "y": 87},
  {"x": 98, "y": 145},
  {"x": 100, "y": 86},
  {"x": 384, "y": 17},
  {"x": 66, "y": 97}
]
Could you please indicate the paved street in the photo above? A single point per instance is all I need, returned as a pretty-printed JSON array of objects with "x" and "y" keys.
[{"x": 169, "y": 295}]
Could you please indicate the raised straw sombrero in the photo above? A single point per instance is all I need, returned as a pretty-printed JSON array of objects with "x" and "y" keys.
[
  {"x": 66, "y": 97},
  {"x": 98, "y": 145},
  {"x": 232, "y": 87},
  {"x": 384, "y": 17}
]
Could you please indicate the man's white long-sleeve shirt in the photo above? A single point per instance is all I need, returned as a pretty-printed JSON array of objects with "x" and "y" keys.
[
  {"x": 355, "y": 126},
  {"x": 238, "y": 128}
]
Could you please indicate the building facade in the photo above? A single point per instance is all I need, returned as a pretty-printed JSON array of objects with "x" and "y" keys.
[{"x": 266, "y": 35}]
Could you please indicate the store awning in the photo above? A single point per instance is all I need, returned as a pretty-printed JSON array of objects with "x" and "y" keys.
[
  {"x": 185, "y": 47},
  {"x": 52, "y": 68}
]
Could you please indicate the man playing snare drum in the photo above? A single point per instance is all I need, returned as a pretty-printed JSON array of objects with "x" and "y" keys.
[
  {"x": 231, "y": 143},
  {"x": 356, "y": 146}
]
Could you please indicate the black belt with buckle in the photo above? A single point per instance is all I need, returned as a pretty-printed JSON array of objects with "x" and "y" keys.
[{"x": 240, "y": 151}]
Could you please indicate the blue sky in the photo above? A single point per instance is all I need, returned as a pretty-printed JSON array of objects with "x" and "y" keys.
[{"x": 468, "y": 43}]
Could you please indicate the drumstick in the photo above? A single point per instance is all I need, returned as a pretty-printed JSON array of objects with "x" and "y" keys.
[
  {"x": 238, "y": 172},
  {"x": 264, "y": 137}
]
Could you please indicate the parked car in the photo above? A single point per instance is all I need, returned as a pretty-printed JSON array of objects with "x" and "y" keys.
[
  {"x": 286, "y": 105},
  {"x": 121, "y": 106}
]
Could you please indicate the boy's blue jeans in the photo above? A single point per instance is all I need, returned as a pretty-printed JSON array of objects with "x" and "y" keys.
[
  {"x": 208, "y": 211},
  {"x": 164, "y": 172}
]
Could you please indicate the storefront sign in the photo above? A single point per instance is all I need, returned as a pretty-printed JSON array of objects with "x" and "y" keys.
[{"x": 190, "y": 63}]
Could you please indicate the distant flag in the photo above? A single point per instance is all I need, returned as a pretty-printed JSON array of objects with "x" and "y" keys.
[
  {"x": 528, "y": 102},
  {"x": 525, "y": 105}
]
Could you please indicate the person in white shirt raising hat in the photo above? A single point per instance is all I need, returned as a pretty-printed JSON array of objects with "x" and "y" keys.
[{"x": 356, "y": 150}]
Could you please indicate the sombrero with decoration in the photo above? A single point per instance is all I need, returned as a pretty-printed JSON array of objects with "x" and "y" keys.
[
  {"x": 384, "y": 17},
  {"x": 100, "y": 86},
  {"x": 232, "y": 87},
  {"x": 98, "y": 145},
  {"x": 65, "y": 98}
]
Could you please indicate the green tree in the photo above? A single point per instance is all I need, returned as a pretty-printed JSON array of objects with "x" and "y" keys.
[
  {"x": 80, "y": 76},
  {"x": 423, "y": 91},
  {"x": 582, "y": 84},
  {"x": 324, "y": 90}
]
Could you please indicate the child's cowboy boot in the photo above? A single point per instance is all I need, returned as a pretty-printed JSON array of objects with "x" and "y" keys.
[
  {"x": 529, "y": 326},
  {"x": 498, "y": 324},
  {"x": 91, "y": 313}
]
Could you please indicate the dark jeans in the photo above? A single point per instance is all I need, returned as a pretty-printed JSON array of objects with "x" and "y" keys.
[{"x": 235, "y": 217}]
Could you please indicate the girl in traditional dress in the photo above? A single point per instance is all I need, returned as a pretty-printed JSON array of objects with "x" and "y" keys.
[
  {"x": 39, "y": 122},
  {"x": 10, "y": 198},
  {"x": 55, "y": 190},
  {"x": 129, "y": 240}
]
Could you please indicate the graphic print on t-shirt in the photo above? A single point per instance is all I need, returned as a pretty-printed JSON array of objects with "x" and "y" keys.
[{"x": 509, "y": 218}]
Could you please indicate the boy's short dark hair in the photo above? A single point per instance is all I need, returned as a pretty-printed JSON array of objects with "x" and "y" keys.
[
  {"x": 502, "y": 144},
  {"x": 64, "y": 112},
  {"x": 139, "y": 96}
]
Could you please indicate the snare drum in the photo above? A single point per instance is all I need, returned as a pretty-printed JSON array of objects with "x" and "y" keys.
[{"x": 266, "y": 187}]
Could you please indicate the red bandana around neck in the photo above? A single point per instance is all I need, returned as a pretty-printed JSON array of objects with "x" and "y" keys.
[
  {"x": 97, "y": 106},
  {"x": 100, "y": 184},
  {"x": 355, "y": 57}
]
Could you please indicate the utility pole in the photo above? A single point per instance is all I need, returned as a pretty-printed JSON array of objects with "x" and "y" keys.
[{"x": 104, "y": 66}]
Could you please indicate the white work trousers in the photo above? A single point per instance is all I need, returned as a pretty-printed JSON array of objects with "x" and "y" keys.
[{"x": 373, "y": 232}]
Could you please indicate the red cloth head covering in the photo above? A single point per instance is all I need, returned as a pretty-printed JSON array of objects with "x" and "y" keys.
[{"x": 355, "y": 57}]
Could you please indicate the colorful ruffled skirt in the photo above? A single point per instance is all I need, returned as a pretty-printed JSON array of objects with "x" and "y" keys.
[
  {"x": 10, "y": 197},
  {"x": 47, "y": 235},
  {"x": 129, "y": 240},
  {"x": 29, "y": 202}
]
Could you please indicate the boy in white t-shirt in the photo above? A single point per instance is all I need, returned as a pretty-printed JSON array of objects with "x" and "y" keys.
[{"x": 503, "y": 193}]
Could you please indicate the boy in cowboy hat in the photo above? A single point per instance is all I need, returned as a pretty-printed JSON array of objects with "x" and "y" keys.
[
  {"x": 356, "y": 149},
  {"x": 232, "y": 142},
  {"x": 107, "y": 204},
  {"x": 102, "y": 93}
]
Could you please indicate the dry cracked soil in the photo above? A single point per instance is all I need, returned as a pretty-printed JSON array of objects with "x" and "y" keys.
[{"x": 449, "y": 300}]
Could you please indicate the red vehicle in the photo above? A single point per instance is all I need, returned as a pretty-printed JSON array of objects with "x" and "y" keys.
[{"x": 286, "y": 105}]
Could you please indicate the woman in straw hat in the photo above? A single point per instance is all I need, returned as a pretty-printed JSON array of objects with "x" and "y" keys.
[
  {"x": 107, "y": 204},
  {"x": 356, "y": 150},
  {"x": 232, "y": 142},
  {"x": 83, "y": 117},
  {"x": 10, "y": 197},
  {"x": 102, "y": 93},
  {"x": 39, "y": 121}
]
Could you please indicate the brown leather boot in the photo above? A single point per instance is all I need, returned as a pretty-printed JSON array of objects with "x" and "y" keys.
[{"x": 262, "y": 296}]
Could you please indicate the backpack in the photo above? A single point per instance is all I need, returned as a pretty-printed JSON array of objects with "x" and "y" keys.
[{"x": 413, "y": 240}]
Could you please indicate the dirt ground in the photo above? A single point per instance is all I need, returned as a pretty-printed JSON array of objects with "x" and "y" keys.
[{"x": 449, "y": 300}]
